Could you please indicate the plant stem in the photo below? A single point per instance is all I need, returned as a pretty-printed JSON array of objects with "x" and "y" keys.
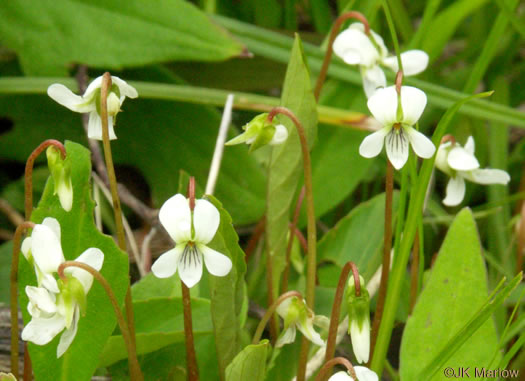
[
  {"x": 293, "y": 226},
  {"x": 414, "y": 273},
  {"x": 311, "y": 229},
  {"x": 328, "y": 54},
  {"x": 323, "y": 373},
  {"x": 387, "y": 247},
  {"x": 270, "y": 311},
  {"x": 121, "y": 238},
  {"x": 29, "y": 172},
  {"x": 17, "y": 240},
  {"x": 393, "y": 33},
  {"x": 336, "y": 308},
  {"x": 191, "y": 357},
  {"x": 135, "y": 372}
]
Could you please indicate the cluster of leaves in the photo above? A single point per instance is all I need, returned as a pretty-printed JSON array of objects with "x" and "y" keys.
[{"x": 172, "y": 127}]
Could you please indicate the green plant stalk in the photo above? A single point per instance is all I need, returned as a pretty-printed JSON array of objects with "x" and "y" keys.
[
  {"x": 402, "y": 19},
  {"x": 269, "y": 312},
  {"x": 276, "y": 46},
  {"x": 311, "y": 228},
  {"x": 17, "y": 240},
  {"x": 28, "y": 184},
  {"x": 398, "y": 270},
  {"x": 293, "y": 227},
  {"x": 509, "y": 14},
  {"x": 189, "y": 94},
  {"x": 430, "y": 11},
  {"x": 485, "y": 312},
  {"x": 392, "y": 28},
  {"x": 117, "y": 210},
  {"x": 135, "y": 372}
]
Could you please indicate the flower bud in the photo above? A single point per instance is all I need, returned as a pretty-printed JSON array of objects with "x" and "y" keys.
[
  {"x": 61, "y": 172},
  {"x": 260, "y": 132},
  {"x": 113, "y": 104},
  {"x": 359, "y": 320}
]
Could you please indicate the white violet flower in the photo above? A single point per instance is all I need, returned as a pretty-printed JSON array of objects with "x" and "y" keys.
[
  {"x": 90, "y": 102},
  {"x": 56, "y": 305},
  {"x": 397, "y": 129},
  {"x": 461, "y": 164},
  {"x": 359, "y": 320},
  {"x": 362, "y": 373},
  {"x": 296, "y": 314},
  {"x": 61, "y": 172},
  {"x": 191, "y": 231},
  {"x": 354, "y": 47}
]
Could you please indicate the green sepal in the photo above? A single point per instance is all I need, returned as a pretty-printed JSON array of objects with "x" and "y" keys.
[
  {"x": 264, "y": 137},
  {"x": 358, "y": 307}
]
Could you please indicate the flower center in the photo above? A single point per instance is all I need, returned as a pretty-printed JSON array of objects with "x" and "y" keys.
[
  {"x": 397, "y": 126},
  {"x": 190, "y": 255}
]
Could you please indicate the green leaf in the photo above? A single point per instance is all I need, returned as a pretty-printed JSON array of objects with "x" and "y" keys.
[
  {"x": 78, "y": 233},
  {"x": 159, "y": 322},
  {"x": 188, "y": 133},
  {"x": 457, "y": 288},
  {"x": 444, "y": 25},
  {"x": 286, "y": 164},
  {"x": 228, "y": 294},
  {"x": 48, "y": 36},
  {"x": 356, "y": 237},
  {"x": 249, "y": 364}
]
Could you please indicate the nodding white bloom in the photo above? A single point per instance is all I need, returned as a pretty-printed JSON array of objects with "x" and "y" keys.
[
  {"x": 461, "y": 164},
  {"x": 90, "y": 102},
  {"x": 296, "y": 314},
  {"x": 191, "y": 231},
  {"x": 354, "y": 47},
  {"x": 359, "y": 319},
  {"x": 56, "y": 305},
  {"x": 259, "y": 132},
  {"x": 362, "y": 373},
  {"x": 397, "y": 123},
  {"x": 61, "y": 172}
]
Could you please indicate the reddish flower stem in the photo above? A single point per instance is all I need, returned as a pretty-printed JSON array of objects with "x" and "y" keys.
[
  {"x": 323, "y": 373},
  {"x": 333, "y": 34},
  {"x": 29, "y": 171},
  {"x": 414, "y": 272},
  {"x": 17, "y": 241}
]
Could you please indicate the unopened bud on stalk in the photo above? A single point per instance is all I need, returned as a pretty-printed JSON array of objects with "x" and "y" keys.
[
  {"x": 260, "y": 132},
  {"x": 359, "y": 319},
  {"x": 61, "y": 172}
]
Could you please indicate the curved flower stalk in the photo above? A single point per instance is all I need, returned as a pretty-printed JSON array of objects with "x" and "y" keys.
[
  {"x": 191, "y": 231},
  {"x": 260, "y": 132},
  {"x": 55, "y": 305},
  {"x": 460, "y": 164},
  {"x": 397, "y": 123},
  {"x": 359, "y": 315},
  {"x": 297, "y": 315},
  {"x": 362, "y": 373},
  {"x": 90, "y": 103},
  {"x": 355, "y": 47}
]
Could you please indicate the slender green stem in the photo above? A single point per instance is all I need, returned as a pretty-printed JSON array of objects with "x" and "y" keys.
[
  {"x": 29, "y": 172},
  {"x": 387, "y": 247},
  {"x": 271, "y": 292},
  {"x": 311, "y": 229},
  {"x": 17, "y": 240},
  {"x": 135, "y": 372},
  {"x": 121, "y": 237},
  {"x": 270, "y": 311},
  {"x": 392, "y": 28},
  {"x": 414, "y": 270},
  {"x": 323, "y": 372},
  {"x": 293, "y": 227},
  {"x": 328, "y": 54},
  {"x": 336, "y": 308}
]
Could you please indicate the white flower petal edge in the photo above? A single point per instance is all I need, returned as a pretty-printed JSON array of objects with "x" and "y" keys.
[
  {"x": 365, "y": 374},
  {"x": 373, "y": 79},
  {"x": 488, "y": 176},
  {"x": 383, "y": 105},
  {"x": 423, "y": 146},
  {"x": 372, "y": 145},
  {"x": 69, "y": 334},
  {"x": 455, "y": 191},
  {"x": 95, "y": 127},
  {"x": 42, "y": 330},
  {"x": 397, "y": 147},
  {"x": 206, "y": 219},
  {"x": 175, "y": 216},
  {"x": 46, "y": 249},
  {"x": 217, "y": 264},
  {"x": 287, "y": 337},
  {"x": 461, "y": 160},
  {"x": 62, "y": 95},
  {"x": 354, "y": 47},
  {"x": 41, "y": 301},
  {"x": 414, "y": 62},
  {"x": 340, "y": 376},
  {"x": 190, "y": 267},
  {"x": 413, "y": 102},
  {"x": 166, "y": 265},
  {"x": 93, "y": 257},
  {"x": 125, "y": 89},
  {"x": 360, "y": 340},
  {"x": 280, "y": 135}
]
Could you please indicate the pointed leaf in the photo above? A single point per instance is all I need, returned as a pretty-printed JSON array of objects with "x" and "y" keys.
[{"x": 249, "y": 364}]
